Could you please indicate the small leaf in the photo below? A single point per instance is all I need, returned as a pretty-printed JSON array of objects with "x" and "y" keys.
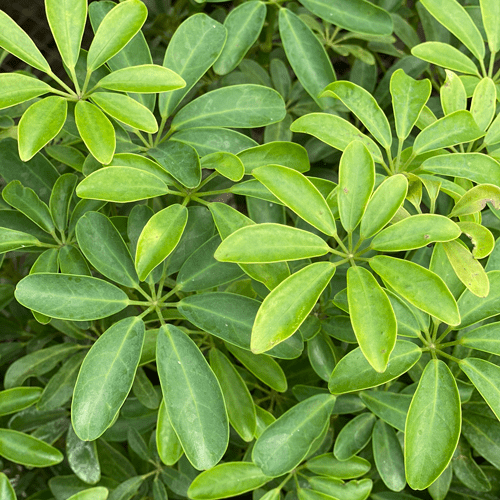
[
  {"x": 328, "y": 465},
  {"x": 391, "y": 407},
  {"x": 16, "y": 88},
  {"x": 159, "y": 238},
  {"x": 483, "y": 101},
  {"x": 18, "y": 398},
  {"x": 453, "y": 94},
  {"x": 40, "y": 123},
  {"x": 354, "y": 436},
  {"x": 97, "y": 493},
  {"x": 60, "y": 200},
  {"x": 6, "y": 490},
  {"x": 12, "y": 240},
  {"x": 167, "y": 442},
  {"x": 82, "y": 458},
  {"x": 432, "y": 426},
  {"x": 484, "y": 338},
  {"x": 226, "y": 164},
  {"x": 475, "y": 199}
]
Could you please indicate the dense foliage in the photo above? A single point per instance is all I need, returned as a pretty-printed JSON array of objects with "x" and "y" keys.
[{"x": 230, "y": 270}]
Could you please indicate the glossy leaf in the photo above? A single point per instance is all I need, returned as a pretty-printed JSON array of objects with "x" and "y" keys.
[
  {"x": 326, "y": 487},
  {"x": 97, "y": 493},
  {"x": 483, "y": 101},
  {"x": 419, "y": 286},
  {"x": 391, "y": 407},
  {"x": 75, "y": 298},
  {"x": 6, "y": 490},
  {"x": 167, "y": 442},
  {"x": 279, "y": 317},
  {"x": 16, "y": 88},
  {"x": 482, "y": 434},
  {"x": 226, "y": 164},
  {"x": 82, "y": 458},
  {"x": 18, "y": 398},
  {"x": 112, "y": 361},
  {"x": 159, "y": 238},
  {"x": 453, "y": 94},
  {"x": 489, "y": 13},
  {"x": 193, "y": 398},
  {"x": 475, "y": 199},
  {"x": 60, "y": 200},
  {"x": 484, "y": 338},
  {"x": 328, "y": 465}
]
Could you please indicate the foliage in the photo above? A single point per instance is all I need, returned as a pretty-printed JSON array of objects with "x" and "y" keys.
[{"x": 229, "y": 270}]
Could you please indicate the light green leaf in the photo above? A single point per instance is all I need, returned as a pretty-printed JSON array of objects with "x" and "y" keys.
[
  {"x": 277, "y": 243},
  {"x": 362, "y": 104},
  {"x": 236, "y": 106},
  {"x": 490, "y": 11},
  {"x": 409, "y": 97},
  {"x": 15, "y": 40},
  {"x": 446, "y": 56},
  {"x": 432, "y": 426},
  {"x": 456, "y": 19},
  {"x": 475, "y": 199},
  {"x": 16, "y": 88},
  {"x": 26, "y": 450},
  {"x": 167, "y": 442},
  {"x": 60, "y": 199},
  {"x": 126, "y": 110},
  {"x": 227, "y": 164},
  {"x": 97, "y": 493},
  {"x": 227, "y": 480},
  {"x": 383, "y": 205},
  {"x": 452, "y": 93},
  {"x": 243, "y": 24},
  {"x": 455, "y": 128},
  {"x": 297, "y": 192},
  {"x": 193, "y": 398},
  {"x": 12, "y": 240},
  {"x": 483, "y": 103},
  {"x": 18, "y": 398},
  {"x": 145, "y": 79},
  {"x": 306, "y": 55},
  {"x": 334, "y": 131},
  {"x": 485, "y": 338},
  {"x": 419, "y": 286},
  {"x": 288, "y": 305},
  {"x": 286, "y": 442},
  {"x": 40, "y": 123},
  {"x": 75, "y": 298},
  {"x": 330, "y": 488},
  {"x": 104, "y": 248},
  {"x": 414, "y": 232},
  {"x": 328, "y": 465},
  {"x": 193, "y": 48},
  {"x": 372, "y": 317},
  {"x": 106, "y": 377},
  {"x": 6, "y": 490},
  {"x": 119, "y": 26},
  {"x": 354, "y": 373},
  {"x": 356, "y": 181},
  {"x": 121, "y": 185},
  {"x": 67, "y": 20},
  {"x": 159, "y": 238}
]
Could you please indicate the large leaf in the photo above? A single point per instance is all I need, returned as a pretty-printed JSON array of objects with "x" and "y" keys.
[
  {"x": 445, "y": 55},
  {"x": 372, "y": 317},
  {"x": 419, "y": 286},
  {"x": 16, "y": 88},
  {"x": 432, "y": 426},
  {"x": 106, "y": 377},
  {"x": 288, "y": 305},
  {"x": 6, "y": 490},
  {"x": 75, "y": 298},
  {"x": 286, "y": 442},
  {"x": 193, "y": 398}
]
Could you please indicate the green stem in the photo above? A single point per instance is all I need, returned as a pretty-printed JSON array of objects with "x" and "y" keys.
[
  {"x": 213, "y": 193},
  {"x": 199, "y": 200},
  {"x": 336, "y": 252},
  {"x": 483, "y": 68},
  {"x": 206, "y": 180},
  {"x": 443, "y": 335},
  {"x": 86, "y": 84},
  {"x": 492, "y": 64},
  {"x": 75, "y": 80},
  {"x": 160, "y": 130},
  {"x": 62, "y": 84},
  {"x": 398, "y": 156},
  {"x": 446, "y": 355},
  {"x": 141, "y": 137},
  {"x": 143, "y": 293},
  {"x": 340, "y": 243},
  {"x": 138, "y": 303},
  {"x": 449, "y": 344}
]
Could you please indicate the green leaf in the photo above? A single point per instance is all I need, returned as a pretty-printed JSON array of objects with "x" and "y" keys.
[
  {"x": 97, "y": 493},
  {"x": 227, "y": 480},
  {"x": 126, "y": 110},
  {"x": 409, "y": 97},
  {"x": 145, "y": 79},
  {"x": 419, "y": 286},
  {"x": 288, "y": 305},
  {"x": 383, "y": 205},
  {"x": 75, "y": 298},
  {"x": 489, "y": 13},
  {"x": 18, "y": 398},
  {"x": 470, "y": 272},
  {"x": 328, "y": 465},
  {"x": 362, "y": 104},
  {"x": 40, "y": 123},
  {"x": 391, "y": 407},
  {"x": 180, "y": 160},
  {"x": 388, "y": 456},
  {"x": 482, "y": 433},
  {"x": 15, "y": 40},
  {"x": 143, "y": 388},
  {"x": 485, "y": 338},
  {"x": 237, "y": 106},
  {"x": 26, "y": 450},
  {"x": 323, "y": 488},
  {"x": 286, "y": 442},
  {"x": 167, "y": 442},
  {"x": 354, "y": 436},
  {"x": 193, "y": 398},
  {"x": 354, "y": 373},
  {"x": 67, "y": 155},
  {"x": 432, "y": 426},
  {"x": 476, "y": 167},
  {"x": 104, "y": 248},
  {"x": 121, "y": 185},
  {"x": 466, "y": 469},
  {"x": 60, "y": 200},
  {"x": 142, "y": 163},
  {"x": 297, "y": 192},
  {"x": 16, "y": 88},
  {"x": 243, "y": 24},
  {"x": 277, "y": 243},
  {"x": 226, "y": 164},
  {"x": 453, "y": 94},
  {"x": 112, "y": 361},
  {"x": 334, "y": 131},
  {"x": 453, "y": 129},
  {"x": 6, "y": 490},
  {"x": 483, "y": 102},
  {"x": 475, "y": 199},
  {"x": 95, "y": 129},
  {"x": 372, "y": 317},
  {"x": 456, "y": 19},
  {"x": 82, "y": 458},
  {"x": 71, "y": 261},
  {"x": 306, "y": 55},
  {"x": 12, "y": 240},
  {"x": 159, "y": 237},
  {"x": 356, "y": 181},
  {"x": 446, "y": 56},
  {"x": 119, "y": 26},
  {"x": 193, "y": 48},
  {"x": 416, "y": 231},
  {"x": 67, "y": 20}
]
